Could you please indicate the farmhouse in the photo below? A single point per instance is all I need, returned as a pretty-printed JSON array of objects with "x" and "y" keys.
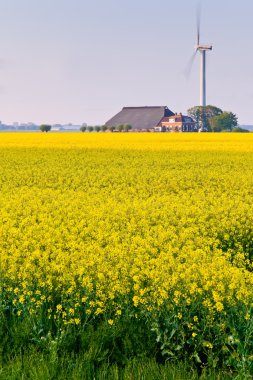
[
  {"x": 140, "y": 118},
  {"x": 176, "y": 123},
  {"x": 155, "y": 118}
]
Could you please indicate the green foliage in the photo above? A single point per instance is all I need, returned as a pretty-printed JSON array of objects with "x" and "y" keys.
[
  {"x": 40, "y": 366},
  {"x": 223, "y": 122},
  {"x": 97, "y": 351},
  {"x": 45, "y": 128},
  {"x": 179, "y": 333},
  {"x": 127, "y": 127},
  {"x": 83, "y": 128},
  {"x": 97, "y": 128},
  {"x": 213, "y": 118},
  {"x": 201, "y": 115},
  {"x": 90, "y": 129},
  {"x": 120, "y": 127},
  {"x": 104, "y": 128},
  {"x": 240, "y": 130},
  {"x": 111, "y": 128}
]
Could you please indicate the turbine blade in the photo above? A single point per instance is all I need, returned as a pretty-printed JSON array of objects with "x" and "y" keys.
[
  {"x": 198, "y": 17},
  {"x": 189, "y": 65}
]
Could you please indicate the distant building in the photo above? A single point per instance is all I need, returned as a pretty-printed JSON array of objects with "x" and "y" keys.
[
  {"x": 140, "y": 118},
  {"x": 176, "y": 123},
  {"x": 66, "y": 127},
  {"x": 27, "y": 127},
  {"x": 155, "y": 119}
]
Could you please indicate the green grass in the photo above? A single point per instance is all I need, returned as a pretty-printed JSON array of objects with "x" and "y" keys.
[
  {"x": 97, "y": 353},
  {"x": 37, "y": 366}
]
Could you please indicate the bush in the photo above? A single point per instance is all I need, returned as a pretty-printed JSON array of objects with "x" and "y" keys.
[
  {"x": 240, "y": 130},
  {"x": 45, "y": 128}
]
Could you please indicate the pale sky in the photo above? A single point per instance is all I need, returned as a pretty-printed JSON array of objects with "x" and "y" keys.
[{"x": 83, "y": 60}]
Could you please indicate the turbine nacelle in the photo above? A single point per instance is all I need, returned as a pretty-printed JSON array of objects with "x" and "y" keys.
[{"x": 203, "y": 47}]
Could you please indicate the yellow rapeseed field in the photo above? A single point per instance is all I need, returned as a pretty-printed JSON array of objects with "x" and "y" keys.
[{"x": 128, "y": 225}]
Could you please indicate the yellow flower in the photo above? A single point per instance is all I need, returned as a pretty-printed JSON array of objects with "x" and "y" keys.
[
  {"x": 21, "y": 299},
  {"x": 219, "y": 306},
  {"x": 207, "y": 344},
  {"x": 153, "y": 233},
  {"x": 136, "y": 300}
]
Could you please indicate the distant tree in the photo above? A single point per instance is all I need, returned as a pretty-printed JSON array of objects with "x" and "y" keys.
[
  {"x": 201, "y": 115},
  {"x": 45, "y": 128},
  {"x": 97, "y": 128},
  {"x": 215, "y": 124},
  {"x": 120, "y": 127},
  {"x": 112, "y": 128},
  {"x": 90, "y": 129},
  {"x": 239, "y": 129},
  {"x": 83, "y": 128},
  {"x": 104, "y": 128},
  {"x": 223, "y": 122},
  {"x": 127, "y": 127},
  {"x": 211, "y": 111}
]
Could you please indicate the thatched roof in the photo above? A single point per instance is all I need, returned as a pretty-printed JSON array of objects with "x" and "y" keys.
[{"x": 140, "y": 117}]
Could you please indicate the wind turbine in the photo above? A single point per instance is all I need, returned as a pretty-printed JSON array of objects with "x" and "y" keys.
[{"x": 202, "y": 49}]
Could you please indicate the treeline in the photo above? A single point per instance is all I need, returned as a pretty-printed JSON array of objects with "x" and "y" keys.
[
  {"x": 104, "y": 128},
  {"x": 214, "y": 119}
]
